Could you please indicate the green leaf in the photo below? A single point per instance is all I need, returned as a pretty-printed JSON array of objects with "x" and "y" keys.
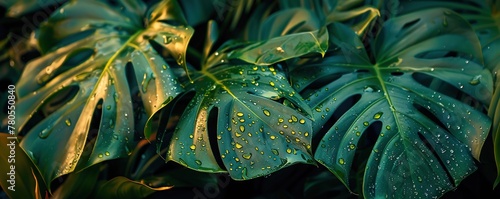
[
  {"x": 26, "y": 182},
  {"x": 121, "y": 187},
  {"x": 358, "y": 14},
  {"x": 424, "y": 140},
  {"x": 93, "y": 54},
  {"x": 17, "y": 8},
  {"x": 484, "y": 16},
  {"x": 255, "y": 134},
  {"x": 262, "y": 27},
  {"x": 80, "y": 184},
  {"x": 272, "y": 51}
]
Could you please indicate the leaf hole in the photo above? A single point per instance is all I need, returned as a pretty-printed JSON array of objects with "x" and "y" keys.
[
  {"x": 429, "y": 144},
  {"x": 337, "y": 113},
  {"x": 59, "y": 99},
  {"x": 319, "y": 83},
  {"x": 410, "y": 24},
  {"x": 446, "y": 88},
  {"x": 212, "y": 136},
  {"x": 397, "y": 73},
  {"x": 427, "y": 113},
  {"x": 363, "y": 150},
  {"x": 71, "y": 39},
  {"x": 168, "y": 118}
]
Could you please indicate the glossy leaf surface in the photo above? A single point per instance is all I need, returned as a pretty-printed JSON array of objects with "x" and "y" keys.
[{"x": 424, "y": 141}]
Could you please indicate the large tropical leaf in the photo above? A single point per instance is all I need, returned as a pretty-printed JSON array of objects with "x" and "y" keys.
[
  {"x": 236, "y": 107},
  {"x": 360, "y": 14},
  {"x": 484, "y": 16},
  {"x": 424, "y": 141},
  {"x": 93, "y": 53}
]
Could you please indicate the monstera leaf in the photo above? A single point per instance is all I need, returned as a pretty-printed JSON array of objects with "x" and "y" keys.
[
  {"x": 100, "y": 67},
  {"x": 424, "y": 141},
  {"x": 237, "y": 107},
  {"x": 484, "y": 18},
  {"x": 357, "y": 13}
]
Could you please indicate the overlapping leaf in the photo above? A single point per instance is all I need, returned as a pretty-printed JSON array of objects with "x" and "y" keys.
[
  {"x": 425, "y": 141},
  {"x": 87, "y": 74},
  {"x": 357, "y": 13},
  {"x": 237, "y": 107},
  {"x": 484, "y": 18}
]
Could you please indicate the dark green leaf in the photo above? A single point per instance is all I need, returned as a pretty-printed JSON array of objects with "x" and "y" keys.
[
  {"x": 121, "y": 187},
  {"x": 93, "y": 73},
  {"x": 425, "y": 141},
  {"x": 255, "y": 134}
]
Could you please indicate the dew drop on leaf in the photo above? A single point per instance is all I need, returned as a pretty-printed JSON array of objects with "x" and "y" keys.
[
  {"x": 68, "y": 122},
  {"x": 475, "y": 80},
  {"x": 378, "y": 115},
  {"x": 341, "y": 161},
  {"x": 167, "y": 40},
  {"x": 247, "y": 156},
  {"x": 192, "y": 147},
  {"x": 45, "y": 132},
  {"x": 267, "y": 113},
  {"x": 238, "y": 146},
  {"x": 198, "y": 162}
]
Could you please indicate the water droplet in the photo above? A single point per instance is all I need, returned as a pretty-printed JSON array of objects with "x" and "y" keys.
[
  {"x": 247, "y": 156},
  {"x": 302, "y": 121},
  {"x": 145, "y": 82},
  {"x": 378, "y": 115},
  {"x": 239, "y": 114},
  {"x": 198, "y": 162},
  {"x": 366, "y": 123},
  {"x": 68, "y": 122},
  {"x": 166, "y": 40},
  {"x": 388, "y": 127},
  {"x": 306, "y": 134},
  {"x": 106, "y": 153},
  {"x": 275, "y": 152},
  {"x": 352, "y": 146},
  {"x": 100, "y": 155},
  {"x": 475, "y": 80},
  {"x": 242, "y": 128},
  {"x": 45, "y": 132},
  {"x": 272, "y": 137},
  {"x": 238, "y": 145},
  {"x": 341, "y": 161},
  {"x": 267, "y": 113},
  {"x": 280, "y": 50},
  {"x": 368, "y": 89},
  {"x": 289, "y": 150}
]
